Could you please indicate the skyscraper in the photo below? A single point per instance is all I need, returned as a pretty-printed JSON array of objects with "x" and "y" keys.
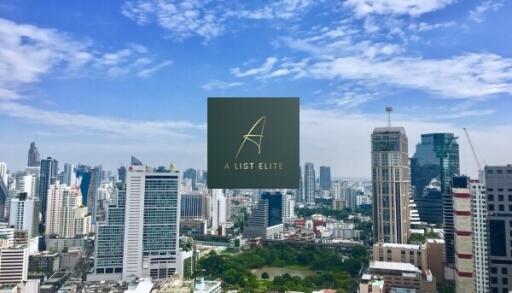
[
  {"x": 266, "y": 220},
  {"x": 66, "y": 217},
  {"x": 479, "y": 229},
  {"x": 325, "y": 178},
  {"x": 299, "y": 193},
  {"x": 463, "y": 241},
  {"x": 498, "y": 181},
  {"x": 218, "y": 208},
  {"x": 92, "y": 196},
  {"x": 275, "y": 207},
  {"x": 433, "y": 165},
  {"x": 68, "y": 175},
  {"x": 390, "y": 180},
  {"x": 33, "y": 156},
  {"x": 48, "y": 176},
  {"x": 151, "y": 230},
  {"x": 24, "y": 214},
  {"x": 309, "y": 183},
  {"x": 3, "y": 172}
]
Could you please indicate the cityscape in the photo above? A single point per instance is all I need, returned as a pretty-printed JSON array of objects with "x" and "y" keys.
[{"x": 403, "y": 146}]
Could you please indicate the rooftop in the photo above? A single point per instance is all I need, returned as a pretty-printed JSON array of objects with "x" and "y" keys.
[{"x": 394, "y": 266}]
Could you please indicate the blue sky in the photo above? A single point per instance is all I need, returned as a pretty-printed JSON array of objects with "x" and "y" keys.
[{"x": 97, "y": 81}]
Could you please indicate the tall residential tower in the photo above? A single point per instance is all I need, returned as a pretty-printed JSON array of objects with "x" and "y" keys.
[{"x": 390, "y": 180}]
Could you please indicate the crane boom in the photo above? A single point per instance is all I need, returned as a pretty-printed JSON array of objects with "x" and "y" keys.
[{"x": 473, "y": 150}]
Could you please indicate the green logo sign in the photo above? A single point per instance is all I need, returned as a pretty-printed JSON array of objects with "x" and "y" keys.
[{"x": 253, "y": 142}]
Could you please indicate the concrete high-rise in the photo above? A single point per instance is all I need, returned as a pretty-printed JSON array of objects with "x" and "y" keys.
[
  {"x": 325, "y": 177},
  {"x": 218, "y": 208},
  {"x": 3, "y": 172},
  {"x": 48, "y": 176},
  {"x": 309, "y": 183},
  {"x": 68, "y": 175},
  {"x": 266, "y": 220},
  {"x": 498, "y": 181},
  {"x": 433, "y": 165},
  {"x": 390, "y": 180},
  {"x": 33, "y": 156},
  {"x": 24, "y": 214},
  {"x": 463, "y": 241},
  {"x": 479, "y": 229},
  {"x": 151, "y": 223},
  {"x": 66, "y": 216}
]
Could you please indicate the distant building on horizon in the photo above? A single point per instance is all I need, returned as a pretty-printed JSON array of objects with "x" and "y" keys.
[
  {"x": 48, "y": 176},
  {"x": 33, "y": 159},
  {"x": 325, "y": 178},
  {"x": 390, "y": 180},
  {"x": 309, "y": 183}
]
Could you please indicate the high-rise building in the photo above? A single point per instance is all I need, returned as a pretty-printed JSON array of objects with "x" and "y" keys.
[
  {"x": 463, "y": 241},
  {"x": 266, "y": 220},
  {"x": 288, "y": 208},
  {"x": 325, "y": 178},
  {"x": 68, "y": 175},
  {"x": 33, "y": 156},
  {"x": 390, "y": 179},
  {"x": 4, "y": 194},
  {"x": 218, "y": 208},
  {"x": 24, "y": 214},
  {"x": 66, "y": 217},
  {"x": 3, "y": 172},
  {"x": 433, "y": 165},
  {"x": 151, "y": 224},
  {"x": 109, "y": 244},
  {"x": 192, "y": 175},
  {"x": 275, "y": 207},
  {"x": 13, "y": 265},
  {"x": 121, "y": 173},
  {"x": 299, "y": 193},
  {"x": 309, "y": 183},
  {"x": 26, "y": 183},
  {"x": 479, "y": 229},
  {"x": 194, "y": 206},
  {"x": 48, "y": 176},
  {"x": 93, "y": 192},
  {"x": 498, "y": 181}
]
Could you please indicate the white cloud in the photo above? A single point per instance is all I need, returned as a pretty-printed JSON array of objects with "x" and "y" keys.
[
  {"x": 264, "y": 69},
  {"x": 206, "y": 19},
  {"x": 28, "y": 53},
  {"x": 149, "y": 71},
  {"x": 281, "y": 9},
  {"x": 396, "y": 7},
  {"x": 219, "y": 84},
  {"x": 477, "y": 14},
  {"x": 469, "y": 75},
  {"x": 100, "y": 125}
]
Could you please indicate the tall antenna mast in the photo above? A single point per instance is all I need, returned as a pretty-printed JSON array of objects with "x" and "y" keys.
[{"x": 389, "y": 109}]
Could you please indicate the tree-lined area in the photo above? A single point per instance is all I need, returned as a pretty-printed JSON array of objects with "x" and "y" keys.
[{"x": 332, "y": 270}]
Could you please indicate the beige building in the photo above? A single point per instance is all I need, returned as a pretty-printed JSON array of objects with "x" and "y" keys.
[
  {"x": 66, "y": 216},
  {"x": 395, "y": 276},
  {"x": 463, "y": 235},
  {"x": 391, "y": 184},
  {"x": 398, "y": 267},
  {"x": 435, "y": 252}
]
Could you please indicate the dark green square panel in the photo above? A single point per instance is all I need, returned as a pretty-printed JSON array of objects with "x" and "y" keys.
[{"x": 253, "y": 142}]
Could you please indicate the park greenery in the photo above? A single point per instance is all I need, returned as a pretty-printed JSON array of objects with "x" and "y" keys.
[{"x": 332, "y": 270}]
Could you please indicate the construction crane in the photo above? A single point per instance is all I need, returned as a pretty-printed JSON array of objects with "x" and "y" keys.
[{"x": 473, "y": 151}]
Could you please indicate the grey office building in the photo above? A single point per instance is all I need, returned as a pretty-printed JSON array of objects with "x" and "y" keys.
[
  {"x": 498, "y": 181},
  {"x": 325, "y": 178},
  {"x": 48, "y": 176},
  {"x": 140, "y": 235},
  {"x": 390, "y": 180},
  {"x": 309, "y": 183}
]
